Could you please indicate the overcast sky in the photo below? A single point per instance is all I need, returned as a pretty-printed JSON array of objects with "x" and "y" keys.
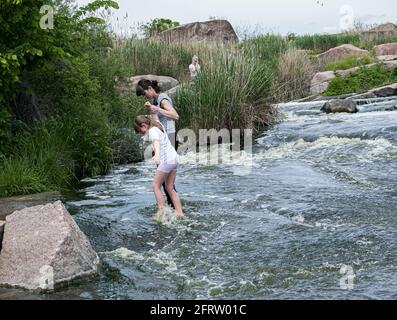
[{"x": 278, "y": 16}]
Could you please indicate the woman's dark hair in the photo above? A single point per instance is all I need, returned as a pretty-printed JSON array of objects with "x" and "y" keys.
[{"x": 144, "y": 84}]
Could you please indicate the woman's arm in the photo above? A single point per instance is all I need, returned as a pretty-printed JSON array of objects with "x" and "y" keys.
[{"x": 167, "y": 109}]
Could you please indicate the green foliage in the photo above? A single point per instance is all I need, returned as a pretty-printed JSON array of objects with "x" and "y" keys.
[
  {"x": 322, "y": 42},
  {"x": 158, "y": 25},
  {"x": 71, "y": 72},
  {"x": 362, "y": 80},
  {"x": 349, "y": 62}
]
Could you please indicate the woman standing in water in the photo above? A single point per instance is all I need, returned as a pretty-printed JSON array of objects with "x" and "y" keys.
[
  {"x": 166, "y": 159},
  {"x": 162, "y": 110}
]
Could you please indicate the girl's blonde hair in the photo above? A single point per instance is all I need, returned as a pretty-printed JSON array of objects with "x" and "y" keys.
[{"x": 146, "y": 119}]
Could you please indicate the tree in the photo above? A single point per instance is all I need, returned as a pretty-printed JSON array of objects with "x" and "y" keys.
[{"x": 158, "y": 25}]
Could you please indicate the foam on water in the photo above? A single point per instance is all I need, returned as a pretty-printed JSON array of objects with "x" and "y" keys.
[{"x": 370, "y": 148}]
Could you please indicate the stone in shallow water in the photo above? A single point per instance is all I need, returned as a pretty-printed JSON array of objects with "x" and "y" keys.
[
  {"x": 43, "y": 247},
  {"x": 338, "y": 105}
]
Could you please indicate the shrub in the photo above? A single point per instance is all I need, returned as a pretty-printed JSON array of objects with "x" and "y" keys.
[
  {"x": 349, "y": 62},
  {"x": 294, "y": 73},
  {"x": 362, "y": 80}
]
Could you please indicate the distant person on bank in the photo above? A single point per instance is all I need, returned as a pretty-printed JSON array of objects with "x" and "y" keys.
[{"x": 194, "y": 68}]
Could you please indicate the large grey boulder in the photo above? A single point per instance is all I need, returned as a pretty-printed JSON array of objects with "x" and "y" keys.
[
  {"x": 337, "y": 105},
  {"x": 165, "y": 82},
  {"x": 340, "y": 52},
  {"x": 43, "y": 247},
  {"x": 216, "y": 31},
  {"x": 172, "y": 92}
]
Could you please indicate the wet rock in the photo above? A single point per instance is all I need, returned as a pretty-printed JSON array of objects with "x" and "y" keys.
[
  {"x": 132, "y": 171},
  {"x": 327, "y": 98},
  {"x": 337, "y": 105},
  {"x": 10, "y": 204},
  {"x": 367, "y": 95},
  {"x": 217, "y": 31},
  {"x": 385, "y": 91},
  {"x": 43, "y": 247},
  {"x": 339, "y": 53},
  {"x": 392, "y": 108},
  {"x": 386, "y": 49}
]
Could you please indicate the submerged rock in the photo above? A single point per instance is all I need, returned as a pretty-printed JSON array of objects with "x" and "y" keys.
[
  {"x": 43, "y": 247},
  {"x": 337, "y": 105},
  {"x": 132, "y": 171}
]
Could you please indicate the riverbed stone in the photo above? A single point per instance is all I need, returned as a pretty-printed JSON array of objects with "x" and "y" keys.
[
  {"x": 43, "y": 248},
  {"x": 385, "y": 91},
  {"x": 338, "y": 105}
]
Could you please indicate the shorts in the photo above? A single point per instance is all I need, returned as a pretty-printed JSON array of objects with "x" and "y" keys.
[{"x": 167, "y": 167}]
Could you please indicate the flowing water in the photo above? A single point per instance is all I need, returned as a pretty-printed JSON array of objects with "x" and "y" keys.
[{"x": 322, "y": 194}]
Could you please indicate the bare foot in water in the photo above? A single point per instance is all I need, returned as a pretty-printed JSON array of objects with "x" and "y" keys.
[{"x": 179, "y": 215}]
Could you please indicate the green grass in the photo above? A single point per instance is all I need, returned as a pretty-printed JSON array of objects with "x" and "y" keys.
[
  {"x": 319, "y": 43},
  {"x": 362, "y": 80},
  {"x": 348, "y": 63},
  {"x": 322, "y": 42}
]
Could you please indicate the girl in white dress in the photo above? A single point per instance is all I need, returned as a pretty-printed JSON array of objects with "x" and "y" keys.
[{"x": 165, "y": 157}]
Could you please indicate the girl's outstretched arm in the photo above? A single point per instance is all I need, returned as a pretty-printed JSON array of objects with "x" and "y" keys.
[{"x": 156, "y": 149}]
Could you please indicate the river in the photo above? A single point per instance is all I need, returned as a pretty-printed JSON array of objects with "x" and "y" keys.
[{"x": 315, "y": 219}]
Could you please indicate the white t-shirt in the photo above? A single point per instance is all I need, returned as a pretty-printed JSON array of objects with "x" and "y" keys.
[
  {"x": 168, "y": 155},
  {"x": 194, "y": 70}
]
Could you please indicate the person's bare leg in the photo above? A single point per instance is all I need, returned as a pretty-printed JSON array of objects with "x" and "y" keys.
[
  {"x": 169, "y": 184},
  {"x": 158, "y": 180}
]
